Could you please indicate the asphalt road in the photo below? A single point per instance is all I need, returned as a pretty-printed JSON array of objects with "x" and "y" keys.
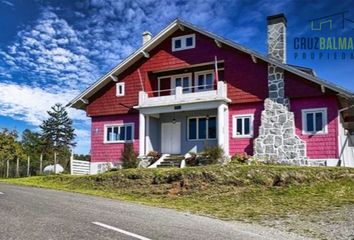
[{"x": 33, "y": 213}]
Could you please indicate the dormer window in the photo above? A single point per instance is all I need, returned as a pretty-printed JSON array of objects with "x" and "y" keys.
[{"x": 183, "y": 42}]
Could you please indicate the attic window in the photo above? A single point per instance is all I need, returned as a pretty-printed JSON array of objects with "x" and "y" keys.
[
  {"x": 183, "y": 42},
  {"x": 120, "y": 91}
]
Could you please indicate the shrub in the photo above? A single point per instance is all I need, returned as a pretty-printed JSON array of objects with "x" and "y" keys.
[
  {"x": 129, "y": 157},
  {"x": 240, "y": 158},
  {"x": 213, "y": 154}
]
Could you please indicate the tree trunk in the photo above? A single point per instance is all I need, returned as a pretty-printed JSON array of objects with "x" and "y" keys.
[
  {"x": 7, "y": 168},
  {"x": 17, "y": 167},
  {"x": 41, "y": 163},
  {"x": 28, "y": 166},
  {"x": 55, "y": 162}
]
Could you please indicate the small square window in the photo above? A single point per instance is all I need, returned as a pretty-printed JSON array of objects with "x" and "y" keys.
[
  {"x": 204, "y": 80},
  {"x": 183, "y": 42},
  {"x": 178, "y": 43},
  {"x": 119, "y": 133},
  {"x": 189, "y": 41},
  {"x": 242, "y": 126},
  {"x": 120, "y": 91},
  {"x": 314, "y": 121},
  {"x": 201, "y": 128}
]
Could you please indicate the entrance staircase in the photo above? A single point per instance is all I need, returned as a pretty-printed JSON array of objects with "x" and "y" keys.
[{"x": 171, "y": 161}]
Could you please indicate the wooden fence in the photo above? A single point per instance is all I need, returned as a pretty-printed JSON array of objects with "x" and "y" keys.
[{"x": 79, "y": 167}]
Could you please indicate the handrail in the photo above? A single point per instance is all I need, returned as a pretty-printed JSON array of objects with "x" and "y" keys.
[{"x": 183, "y": 88}]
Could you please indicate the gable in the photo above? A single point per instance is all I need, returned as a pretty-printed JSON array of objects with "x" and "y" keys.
[
  {"x": 247, "y": 81},
  {"x": 171, "y": 29}
]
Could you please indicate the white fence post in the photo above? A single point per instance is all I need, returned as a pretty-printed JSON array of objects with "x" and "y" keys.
[{"x": 71, "y": 163}]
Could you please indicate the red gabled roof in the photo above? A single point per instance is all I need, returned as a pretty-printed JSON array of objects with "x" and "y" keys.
[{"x": 80, "y": 101}]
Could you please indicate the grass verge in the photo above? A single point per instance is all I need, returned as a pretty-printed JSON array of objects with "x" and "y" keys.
[{"x": 233, "y": 192}]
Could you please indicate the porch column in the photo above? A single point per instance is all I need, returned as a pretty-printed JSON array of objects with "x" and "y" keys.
[
  {"x": 148, "y": 145},
  {"x": 223, "y": 128},
  {"x": 141, "y": 134}
]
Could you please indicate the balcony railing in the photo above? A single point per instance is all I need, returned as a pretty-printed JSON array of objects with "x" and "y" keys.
[{"x": 180, "y": 95}]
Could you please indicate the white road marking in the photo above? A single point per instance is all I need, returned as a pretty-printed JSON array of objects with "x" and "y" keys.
[
  {"x": 1, "y": 193},
  {"x": 121, "y": 231}
]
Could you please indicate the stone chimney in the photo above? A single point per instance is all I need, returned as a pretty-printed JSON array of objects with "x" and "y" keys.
[
  {"x": 277, "y": 140},
  {"x": 276, "y": 27},
  {"x": 146, "y": 37}
]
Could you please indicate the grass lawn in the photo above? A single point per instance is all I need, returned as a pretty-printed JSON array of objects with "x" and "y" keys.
[{"x": 233, "y": 192}]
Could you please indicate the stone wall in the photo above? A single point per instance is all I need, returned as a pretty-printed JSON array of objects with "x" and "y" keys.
[{"x": 277, "y": 140}]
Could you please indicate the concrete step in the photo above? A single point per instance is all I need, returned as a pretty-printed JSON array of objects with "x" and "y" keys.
[{"x": 171, "y": 161}]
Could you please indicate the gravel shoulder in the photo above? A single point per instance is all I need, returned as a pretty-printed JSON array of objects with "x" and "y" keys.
[{"x": 332, "y": 225}]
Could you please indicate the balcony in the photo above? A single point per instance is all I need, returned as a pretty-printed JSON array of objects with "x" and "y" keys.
[{"x": 178, "y": 97}]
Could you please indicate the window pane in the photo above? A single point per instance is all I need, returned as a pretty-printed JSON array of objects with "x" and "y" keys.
[
  {"x": 202, "y": 128},
  {"x": 239, "y": 126},
  {"x": 247, "y": 126},
  {"x": 115, "y": 134},
  {"x": 178, "y": 82},
  {"x": 109, "y": 134},
  {"x": 309, "y": 122},
  {"x": 192, "y": 128},
  {"x": 212, "y": 127},
  {"x": 129, "y": 132},
  {"x": 319, "y": 121},
  {"x": 209, "y": 81},
  {"x": 200, "y": 81},
  {"x": 185, "y": 84},
  {"x": 189, "y": 41},
  {"x": 178, "y": 43},
  {"x": 122, "y": 133}
]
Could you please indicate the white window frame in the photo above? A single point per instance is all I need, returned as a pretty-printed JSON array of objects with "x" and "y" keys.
[
  {"x": 234, "y": 125},
  {"x": 207, "y": 128},
  {"x": 173, "y": 82},
  {"x": 313, "y": 111},
  {"x": 106, "y": 126},
  {"x": 196, "y": 74},
  {"x": 183, "y": 42},
  {"x": 118, "y": 85}
]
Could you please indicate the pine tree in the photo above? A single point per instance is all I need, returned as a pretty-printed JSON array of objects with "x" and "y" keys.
[{"x": 57, "y": 130}]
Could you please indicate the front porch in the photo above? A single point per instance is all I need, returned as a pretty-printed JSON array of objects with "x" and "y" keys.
[{"x": 183, "y": 129}]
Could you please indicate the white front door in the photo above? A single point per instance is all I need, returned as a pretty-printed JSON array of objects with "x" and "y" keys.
[{"x": 171, "y": 138}]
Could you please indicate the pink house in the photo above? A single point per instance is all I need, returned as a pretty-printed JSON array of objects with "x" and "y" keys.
[{"x": 186, "y": 87}]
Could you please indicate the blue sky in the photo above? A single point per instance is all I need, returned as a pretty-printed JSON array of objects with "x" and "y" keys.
[{"x": 52, "y": 50}]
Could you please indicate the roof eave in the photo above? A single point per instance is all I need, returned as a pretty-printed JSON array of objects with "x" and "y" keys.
[{"x": 174, "y": 26}]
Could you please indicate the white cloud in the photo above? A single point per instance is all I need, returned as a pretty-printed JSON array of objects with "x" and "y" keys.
[
  {"x": 52, "y": 59},
  {"x": 7, "y": 3},
  {"x": 31, "y": 104}
]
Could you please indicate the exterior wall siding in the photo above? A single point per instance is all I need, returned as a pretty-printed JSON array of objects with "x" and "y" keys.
[
  {"x": 244, "y": 145},
  {"x": 247, "y": 81},
  {"x": 319, "y": 146},
  {"x": 110, "y": 152}
]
